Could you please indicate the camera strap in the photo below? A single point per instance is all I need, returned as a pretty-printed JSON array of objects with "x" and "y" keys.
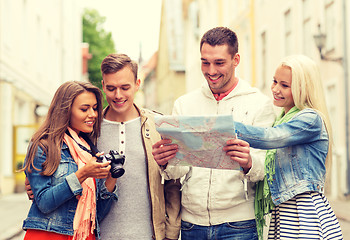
[{"x": 93, "y": 147}]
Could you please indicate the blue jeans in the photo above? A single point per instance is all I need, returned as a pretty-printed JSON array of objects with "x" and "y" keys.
[{"x": 244, "y": 230}]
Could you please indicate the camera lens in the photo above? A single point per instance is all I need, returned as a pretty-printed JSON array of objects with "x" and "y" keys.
[
  {"x": 117, "y": 162},
  {"x": 117, "y": 170}
]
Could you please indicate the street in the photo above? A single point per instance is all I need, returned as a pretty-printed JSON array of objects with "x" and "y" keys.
[{"x": 345, "y": 227}]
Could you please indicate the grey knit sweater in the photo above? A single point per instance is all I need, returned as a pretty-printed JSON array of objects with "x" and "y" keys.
[{"x": 130, "y": 216}]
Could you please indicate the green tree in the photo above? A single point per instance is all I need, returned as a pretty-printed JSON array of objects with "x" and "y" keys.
[{"x": 100, "y": 42}]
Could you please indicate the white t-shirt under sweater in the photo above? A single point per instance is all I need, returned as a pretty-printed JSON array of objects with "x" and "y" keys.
[{"x": 130, "y": 216}]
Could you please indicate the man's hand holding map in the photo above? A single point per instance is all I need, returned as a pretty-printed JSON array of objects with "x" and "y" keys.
[{"x": 200, "y": 139}]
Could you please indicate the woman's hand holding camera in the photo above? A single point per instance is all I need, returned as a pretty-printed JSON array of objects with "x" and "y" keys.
[{"x": 93, "y": 169}]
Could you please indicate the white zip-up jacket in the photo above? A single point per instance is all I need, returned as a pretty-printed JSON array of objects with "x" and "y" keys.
[{"x": 215, "y": 196}]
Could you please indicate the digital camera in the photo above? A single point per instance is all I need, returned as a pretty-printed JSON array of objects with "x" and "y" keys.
[{"x": 117, "y": 162}]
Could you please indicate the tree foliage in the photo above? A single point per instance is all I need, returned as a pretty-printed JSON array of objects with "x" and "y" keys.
[{"x": 100, "y": 43}]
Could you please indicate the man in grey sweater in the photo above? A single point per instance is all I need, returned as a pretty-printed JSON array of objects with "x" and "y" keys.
[{"x": 142, "y": 210}]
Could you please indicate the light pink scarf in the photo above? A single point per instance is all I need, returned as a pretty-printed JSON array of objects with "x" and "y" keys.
[{"x": 84, "y": 218}]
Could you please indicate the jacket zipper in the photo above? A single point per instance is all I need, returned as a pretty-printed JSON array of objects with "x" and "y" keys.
[
  {"x": 209, "y": 196},
  {"x": 210, "y": 176}
]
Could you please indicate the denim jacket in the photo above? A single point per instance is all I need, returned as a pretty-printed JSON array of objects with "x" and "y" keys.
[
  {"x": 302, "y": 146},
  {"x": 55, "y": 197}
]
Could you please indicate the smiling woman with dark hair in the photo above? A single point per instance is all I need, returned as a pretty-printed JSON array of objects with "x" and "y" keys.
[{"x": 61, "y": 173}]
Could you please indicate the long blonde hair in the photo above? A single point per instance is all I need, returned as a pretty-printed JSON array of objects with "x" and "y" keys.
[
  {"x": 49, "y": 136},
  {"x": 307, "y": 90}
]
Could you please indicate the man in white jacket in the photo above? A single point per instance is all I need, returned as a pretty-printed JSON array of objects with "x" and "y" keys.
[{"x": 216, "y": 203}]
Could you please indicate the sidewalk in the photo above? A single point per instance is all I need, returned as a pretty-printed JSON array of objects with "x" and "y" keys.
[
  {"x": 13, "y": 210},
  {"x": 341, "y": 209}
]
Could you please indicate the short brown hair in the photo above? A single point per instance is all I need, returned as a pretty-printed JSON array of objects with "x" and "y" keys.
[
  {"x": 221, "y": 36},
  {"x": 116, "y": 62}
]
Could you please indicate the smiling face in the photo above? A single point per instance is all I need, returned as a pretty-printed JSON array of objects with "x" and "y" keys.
[
  {"x": 218, "y": 67},
  {"x": 84, "y": 112},
  {"x": 120, "y": 89},
  {"x": 282, "y": 88}
]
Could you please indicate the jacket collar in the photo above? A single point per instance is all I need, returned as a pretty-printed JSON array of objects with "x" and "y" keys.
[
  {"x": 142, "y": 113},
  {"x": 242, "y": 88}
]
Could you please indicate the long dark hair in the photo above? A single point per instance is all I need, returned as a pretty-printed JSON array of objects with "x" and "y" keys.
[{"x": 49, "y": 136}]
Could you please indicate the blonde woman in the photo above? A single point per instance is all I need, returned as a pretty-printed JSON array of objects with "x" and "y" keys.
[
  {"x": 299, "y": 148},
  {"x": 62, "y": 171}
]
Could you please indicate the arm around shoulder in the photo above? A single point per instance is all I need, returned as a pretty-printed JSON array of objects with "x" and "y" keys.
[{"x": 50, "y": 192}]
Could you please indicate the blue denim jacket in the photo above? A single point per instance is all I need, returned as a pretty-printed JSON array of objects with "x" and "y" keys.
[
  {"x": 302, "y": 146},
  {"x": 55, "y": 201}
]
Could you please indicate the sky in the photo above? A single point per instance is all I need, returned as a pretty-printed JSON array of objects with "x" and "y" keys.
[{"x": 133, "y": 23}]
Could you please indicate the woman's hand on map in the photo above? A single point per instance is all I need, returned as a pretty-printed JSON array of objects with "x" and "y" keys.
[{"x": 163, "y": 151}]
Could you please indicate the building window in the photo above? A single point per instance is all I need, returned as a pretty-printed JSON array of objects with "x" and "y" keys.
[
  {"x": 247, "y": 60},
  {"x": 288, "y": 32},
  {"x": 308, "y": 45},
  {"x": 330, "y": 95},
  {"x": 194, "y": 18},
  {"x": 175, "y": 34},
  {"x": 263, "y": 60},
  {"x": 7, "y": 27},
  {"x": 330, "y": 25}
]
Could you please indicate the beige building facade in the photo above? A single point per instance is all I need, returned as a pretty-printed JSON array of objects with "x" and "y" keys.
[
  {"x": 40, "y": 48},
  {"x": 169, "y": 82}
]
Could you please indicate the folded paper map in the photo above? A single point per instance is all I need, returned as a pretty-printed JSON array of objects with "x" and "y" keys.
[{"x": 200, "y": 139}]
